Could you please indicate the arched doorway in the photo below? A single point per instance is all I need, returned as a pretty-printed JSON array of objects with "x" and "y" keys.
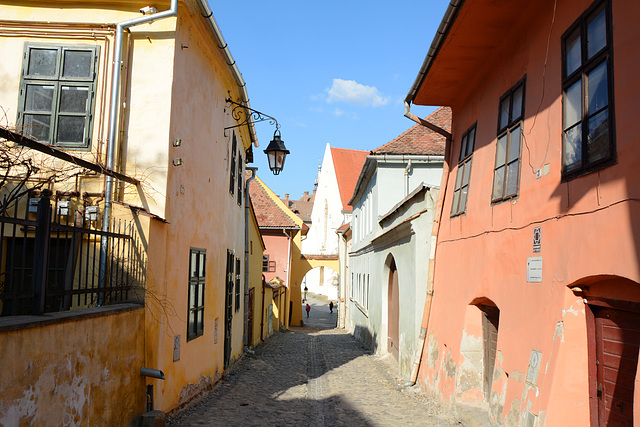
[
  {"x": 393, "y": 311},
  {"x": 322, "y": 281}
]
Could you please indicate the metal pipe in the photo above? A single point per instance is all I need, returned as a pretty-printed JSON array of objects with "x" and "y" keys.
[
  {"x": 153, "y": 373},
  {"x": 246, "y": 258},
  {"x": 113, "y": 120}
]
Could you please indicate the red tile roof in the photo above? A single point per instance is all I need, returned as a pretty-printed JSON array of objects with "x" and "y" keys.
[
  {"x": 419, "y": 140},
  {"x": 347, "y": 164},
  {"x": 268, "y": 213}
]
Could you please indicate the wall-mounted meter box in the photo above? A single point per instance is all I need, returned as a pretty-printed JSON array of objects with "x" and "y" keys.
[
  {"x": 92, "y": 213},
  {"x": 63, "y": 208},
  {"x": 33, "y": 205}
]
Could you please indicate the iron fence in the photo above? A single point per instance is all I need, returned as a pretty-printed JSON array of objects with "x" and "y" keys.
[{"x": 50, "y": 259}]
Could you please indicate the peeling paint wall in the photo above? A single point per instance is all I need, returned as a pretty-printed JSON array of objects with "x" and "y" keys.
[{"x": 78, "y": 372}]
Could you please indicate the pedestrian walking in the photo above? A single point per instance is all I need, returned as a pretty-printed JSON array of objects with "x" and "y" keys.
[
  {"x": 331, "y": 307},
  {"x": 308, "y": 309}
]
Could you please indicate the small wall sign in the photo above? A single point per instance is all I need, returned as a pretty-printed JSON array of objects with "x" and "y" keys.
[
  {"x": 534, "y": 269},
  {"x": 537, "y": 239}
]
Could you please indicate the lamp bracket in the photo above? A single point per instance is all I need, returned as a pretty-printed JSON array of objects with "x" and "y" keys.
[{"x": 243, "y": 114}]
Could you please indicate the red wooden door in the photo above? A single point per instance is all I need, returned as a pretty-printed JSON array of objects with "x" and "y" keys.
[
  {"x": 393, "y": 311},
  {"x": 617, "y": 335}
]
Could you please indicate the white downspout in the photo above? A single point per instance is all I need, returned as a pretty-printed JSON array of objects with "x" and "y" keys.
[{"x": 113, "y": 120}]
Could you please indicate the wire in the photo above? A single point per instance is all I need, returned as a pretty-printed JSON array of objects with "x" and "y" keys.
[
  {"x": 540, "y": 221},
  {"x": 544, "y": 74}
]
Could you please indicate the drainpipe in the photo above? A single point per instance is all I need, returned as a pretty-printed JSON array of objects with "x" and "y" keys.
[
  {"x": 246, "y": 258},
  {"x": 288, "y": 274},
  {"x": 432, "y": 265},
  {"x": 113, "y": 120},
  {"x": 448, "y": 19},
  {"x": 406, "y": 178},
  {"x": 264, "y": 285}
]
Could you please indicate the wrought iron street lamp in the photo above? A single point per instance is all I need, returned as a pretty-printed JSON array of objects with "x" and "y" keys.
[{"x": 276, "y": 151}]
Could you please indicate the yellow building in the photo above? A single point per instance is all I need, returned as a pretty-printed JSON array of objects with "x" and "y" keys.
[{"x": 167, "y": 117}]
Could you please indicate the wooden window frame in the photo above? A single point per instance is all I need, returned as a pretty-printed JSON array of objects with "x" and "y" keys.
[
  {"x": 195, "y": 324},
  {"x": 237, "y": 307},
  {"x": 506, "y": 130},
  {"x": 587, "y": 65},
  {"x": 232, "y": 168},
  {"x": 57, "y": 81},
  {"x": 467, "y": 146}
]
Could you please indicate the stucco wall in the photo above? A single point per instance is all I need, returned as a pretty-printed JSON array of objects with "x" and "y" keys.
[{"x": 76, "y": 371}]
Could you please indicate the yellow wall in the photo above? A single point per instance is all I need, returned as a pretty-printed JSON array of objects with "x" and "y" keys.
[
  {"x": 256, "y": 247},
  {"x": 83, "y": 371}
]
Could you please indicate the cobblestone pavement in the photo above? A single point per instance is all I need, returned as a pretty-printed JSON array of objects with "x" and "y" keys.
[{"x": 312, "y": 376}]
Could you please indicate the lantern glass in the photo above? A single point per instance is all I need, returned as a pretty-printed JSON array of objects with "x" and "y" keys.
[{"x": 276, "y": 153}]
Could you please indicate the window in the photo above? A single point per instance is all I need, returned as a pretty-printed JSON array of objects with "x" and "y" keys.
[
  {"x": 461, "y": 189},
  {"x": 197, "y": 263},
  {"x": 506, "y": 173},
  {"x": 57, "y": 94},
  {"x": 232, "y": 169},
  {"x": 237, "y": 284},
  {"x": 587, "y": 116},
  {"x": 265, "y": 263},
  {"x": 240, "y": 181}
]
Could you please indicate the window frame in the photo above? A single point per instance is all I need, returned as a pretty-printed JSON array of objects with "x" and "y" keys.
[
  {"x": 232, "y": 168},
  {"x": 464, "y": 163},
  {"x": 586, "y": 66},
  {"x": 195, "y": 327},
  {"x": 237, "y": 285},
  {"x": 506, "y": 130},
  {"x": 58, "y": 81}
]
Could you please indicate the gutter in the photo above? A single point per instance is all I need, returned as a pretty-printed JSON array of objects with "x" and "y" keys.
[
  {"x": 246, "y": 258},
  {"x": 113, "y": 122},
  {"x": 448, "y": 19},
  {"x": 222, "y": 45}
]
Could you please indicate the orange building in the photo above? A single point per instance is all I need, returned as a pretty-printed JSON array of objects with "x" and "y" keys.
[{"x": 535, "y": 313}]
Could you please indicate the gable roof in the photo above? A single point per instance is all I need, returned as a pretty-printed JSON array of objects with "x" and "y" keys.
[
  {"x": 347, "y": 164},
  {"x": 419, "y": 140},
  {"x": 269, "y": 209},
  {"x": 302, "y": 207}
]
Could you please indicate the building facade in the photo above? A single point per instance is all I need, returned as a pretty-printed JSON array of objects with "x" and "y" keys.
[{"x": 536, "y": 285}]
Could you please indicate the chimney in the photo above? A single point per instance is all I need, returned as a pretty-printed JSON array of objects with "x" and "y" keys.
[
  {"x": 286, "y": 199},
  {"x": 306, "y": 194}
]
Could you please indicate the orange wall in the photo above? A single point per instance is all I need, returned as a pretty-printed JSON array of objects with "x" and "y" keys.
[
  {"x": 80, "y": 371},
  {"x": 590, "y": 226}
]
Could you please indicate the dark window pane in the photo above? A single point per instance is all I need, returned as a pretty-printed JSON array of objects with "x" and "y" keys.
[
  {"x": 37, "y": 126},
  {"x": 202, "y": 264},
  {"x": 512, "y": 179},
  {"x": 573, "y": 105},
  {"x": 200, "y": 321},
  {"x": 498, "y": 183},
  {"x": 504, "y": 113},
  {"x": 454, "y": 205},
  {"x": 70, "y": 129},
  {"x": 598, "y": 139},
  {"x": 39, "y": 98},
  {"x": 192, "y": 319},
  {"x": 463, "y": 199},
  {"x": 501, "y": 150},
  {"x": 77, "y": 63},
  {"x": 572, "y": 148},
  {"x": 467, "y": 172},
  {"x": 463, "y": 149},
  {"x": 514, "y": 144},
  {"x": 517, "y": 103},
  {"x": 459, "y": 176},
  {"x": 472, "y": 141},
  {"x": 73, "y": 99},
  {"x": 42, "y": 62},
  {"x": 596, "y": 33},
  {"x": 598, "y": 94},
  {"x": 572, "y": 46},
  {"x": 193, "y": 264}
]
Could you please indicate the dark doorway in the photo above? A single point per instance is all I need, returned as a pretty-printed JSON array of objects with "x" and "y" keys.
[
  {"x": 490, "y": 321},
  {"x": 228, "y": 309},
  {"x": 250, "y": 318},
  {"x": 393, "y": 311}
]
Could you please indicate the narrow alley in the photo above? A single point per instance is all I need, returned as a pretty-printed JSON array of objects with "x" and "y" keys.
[{"x": 312, "y": 376}]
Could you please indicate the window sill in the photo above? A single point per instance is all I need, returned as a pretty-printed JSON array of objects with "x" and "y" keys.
[
  {"x": 361, "y": 308},
  {"x": 566, "y": 177},
  {"x": 16, "y": 323}
]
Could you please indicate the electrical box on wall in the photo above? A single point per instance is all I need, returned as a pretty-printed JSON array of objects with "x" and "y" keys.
[
  {"x": 63, "y": 208},
  {"x": 92, "y": 213}
]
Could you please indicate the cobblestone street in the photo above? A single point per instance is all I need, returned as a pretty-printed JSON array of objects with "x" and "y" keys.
[{"x": 312, "y": 376}]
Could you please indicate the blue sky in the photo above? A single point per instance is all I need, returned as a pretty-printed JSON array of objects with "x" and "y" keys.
[{"x": 332, "y": 72}]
